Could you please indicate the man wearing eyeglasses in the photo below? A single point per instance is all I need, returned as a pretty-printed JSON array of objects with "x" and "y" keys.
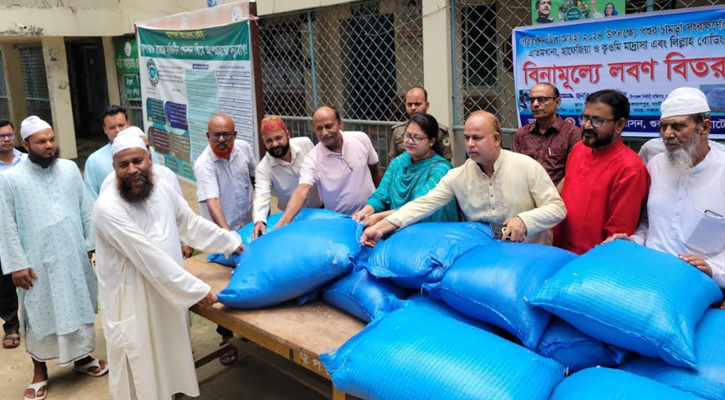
[
  {"x": 224, "y": 181},
  {"x": 343, "y": 164},
  {"x": 549, "y": 139},
  {"x": 606, "y": 183},
  {"x": 416, "y": 101},
  {"x": 685, "y": 207},
  {"x": 9, "y": 157}
]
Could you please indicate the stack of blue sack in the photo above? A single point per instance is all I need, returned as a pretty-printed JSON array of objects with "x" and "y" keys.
[
  {"x": 493, "y": 282},
  {"x": 419, "y": 353},
  {"x": 292, "y": 261},
  {"x": 245, "y": 232},
  {"x": 708, "y": 380},
  {"x": 632, "y": 297}
]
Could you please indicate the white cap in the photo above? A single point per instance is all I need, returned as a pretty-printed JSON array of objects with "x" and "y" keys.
[
  {"x": 127, "y": 141},
  {"x": 31, "y": 125},
  {"x": 684, "y": 101},
  {"x": 131, "y": 130}
]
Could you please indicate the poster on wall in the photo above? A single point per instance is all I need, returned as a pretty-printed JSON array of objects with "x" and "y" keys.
[
  {"x": 550, "y": 11},
  {"x": 644, "y": 56},
  {"x": 186, "y": 77}
]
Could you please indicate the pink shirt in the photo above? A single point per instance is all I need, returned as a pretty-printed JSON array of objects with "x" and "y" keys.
[{"x": 344, "y": 179}]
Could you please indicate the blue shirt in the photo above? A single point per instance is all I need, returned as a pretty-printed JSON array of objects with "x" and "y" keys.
[{"x": 17, "y": 157}]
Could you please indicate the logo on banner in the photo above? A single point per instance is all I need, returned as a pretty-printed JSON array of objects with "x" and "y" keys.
[{"x": 153, "y": 72}]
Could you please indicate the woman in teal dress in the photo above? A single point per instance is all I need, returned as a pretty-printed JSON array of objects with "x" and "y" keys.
[{"x": 411, "y": 175}]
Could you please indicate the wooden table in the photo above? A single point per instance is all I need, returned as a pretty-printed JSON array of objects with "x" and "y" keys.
[{"x": 299, "y": 334}]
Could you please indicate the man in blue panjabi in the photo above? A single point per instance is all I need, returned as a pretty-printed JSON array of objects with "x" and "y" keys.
[{"x": 46, "y": 244}]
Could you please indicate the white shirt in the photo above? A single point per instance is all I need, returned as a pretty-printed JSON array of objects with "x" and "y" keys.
[
  {"x": 282, "y": 176},
  {"x": 230, "y": 181},
  {"x": 344, "y": 179},
  {"x": 687, "y": 215},
  {"x": 519, "y": 187},
  {"x": 17, "y": 157},
  {"x": 145, "y": 291}
]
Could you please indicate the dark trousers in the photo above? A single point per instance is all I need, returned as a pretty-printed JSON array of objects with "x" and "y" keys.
[{"x": 8, "y": 304}]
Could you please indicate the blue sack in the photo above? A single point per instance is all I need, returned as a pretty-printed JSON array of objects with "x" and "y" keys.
[
  {"x": 633, "y": 297},
  {"x": 416, "y": 353},
  {"x": 493, "y": 282},
  {"x": 423, "y": 300},
  {"x": 576, "y": 350},
  {"x": 292, "y": 261},
  {"x": 708, "y": 381},
  {"x": 305, "y": 214},
  {"x": 363, "y": 295},
  {"x": 230, "y": 261},
  {"x": 421, "y": 253},
  {"x": 608, "y": 384},
  {"x": 245, "y": 232}
]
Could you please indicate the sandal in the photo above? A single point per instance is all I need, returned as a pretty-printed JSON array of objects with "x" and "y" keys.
[
  {"x": 11, "y": 340},
  {"x": 36, "y": 388},
  {"x": 228, "y": 358},
  {"x": 86, "y": 368}
]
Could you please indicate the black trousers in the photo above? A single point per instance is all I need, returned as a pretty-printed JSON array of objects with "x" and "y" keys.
[{"x": 8, "y": 304}]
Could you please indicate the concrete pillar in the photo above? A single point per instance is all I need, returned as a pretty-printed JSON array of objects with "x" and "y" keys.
[
  {"x": 437, "y": 68},
  {"x": 56, "y": 70},
  {"x": 14, "y": 81},
  {"x": 114, "y": 95}
]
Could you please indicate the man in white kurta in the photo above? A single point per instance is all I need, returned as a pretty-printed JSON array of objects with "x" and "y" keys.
[
  {"x": 686, "y": 202},
  {"x": 46, "y": 242},
  {"x": 145, "y": 291}
]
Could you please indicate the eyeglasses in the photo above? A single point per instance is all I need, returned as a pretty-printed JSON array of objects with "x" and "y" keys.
[
  {"x": 597, "y": 122},
  {"x": 7, "y": 136},
  {"x": 541, "y": 100},
  {"x": 414, "y": 139},
  {"x": 225, "y": 135}
]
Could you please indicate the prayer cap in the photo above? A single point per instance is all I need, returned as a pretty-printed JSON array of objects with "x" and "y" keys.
[
  {"x": 127, "y": 141},
  {"x": 31, "y": 125},
  {"x": 271, "y": 124},
  {"x": 131, "y": 130},
  {"x": 684, "y": 101}
]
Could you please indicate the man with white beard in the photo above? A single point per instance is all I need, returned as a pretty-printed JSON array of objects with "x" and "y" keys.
[{"x": 685, "y": 209}]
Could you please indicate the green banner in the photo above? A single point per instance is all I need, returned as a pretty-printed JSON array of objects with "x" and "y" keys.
[
  {"x": 548, "y": 11},
  {"x": 126, "y": 53},
  {"x": 223, "y": 43},
  {"x": 132, "y": 87}
]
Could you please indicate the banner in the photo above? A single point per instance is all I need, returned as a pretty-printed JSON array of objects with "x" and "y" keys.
[
  {"x": 187, "y": 76},
  {"x": 549, "y": 11},
  {"x": 645, "y": 57}
]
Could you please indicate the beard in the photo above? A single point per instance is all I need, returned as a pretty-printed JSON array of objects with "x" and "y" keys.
[
  {"x": 136, "y": 190},
  {"x": 222, "y": 153},
  {"x": 41, "y": 160},
  {"x": 681, "y": 160},
  {"x": 279, "y": 151}
]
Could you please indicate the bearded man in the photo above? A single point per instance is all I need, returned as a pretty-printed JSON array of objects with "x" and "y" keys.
[
  {"x": 145, "y": 290},
  {"x": 47, "y": 243},
  {"x": 685, "y": 208},
  {"x": 279, "y": 170}
]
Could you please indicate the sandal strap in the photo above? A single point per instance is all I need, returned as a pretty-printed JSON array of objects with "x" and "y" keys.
[
  {"x": 90, "y": 365},
  {"x": 38, "y": 385}
]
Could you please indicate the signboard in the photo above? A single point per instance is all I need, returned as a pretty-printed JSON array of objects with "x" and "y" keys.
[
  {"x": 645, "y": 57},
  {"x": 126, "y": 54},
  {"x": 549, "y": 11},
  {"x": 189, "y": 75}
]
